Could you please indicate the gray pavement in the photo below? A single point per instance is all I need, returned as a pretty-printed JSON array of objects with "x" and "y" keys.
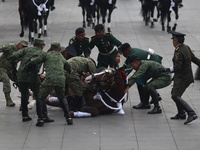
[{"x": 136, "y": 130}]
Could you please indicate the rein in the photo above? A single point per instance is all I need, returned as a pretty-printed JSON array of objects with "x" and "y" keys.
[
  {"x": 98, "y": 96},
  {"x": 40, "y": 7},
  {"x": 111, "y": 82}
]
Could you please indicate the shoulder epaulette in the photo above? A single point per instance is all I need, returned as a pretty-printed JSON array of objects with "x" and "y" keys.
[
  {"x": 108, "y": 33},
  {"x": 86, "y": 38},
  {"x": 93, "y": 37}
]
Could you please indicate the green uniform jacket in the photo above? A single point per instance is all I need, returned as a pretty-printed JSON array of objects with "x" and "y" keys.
[
  {"x": 25, "y": 55},
  {"x": 149, "y": 68},
  {"x": 54, "y": 67},
  {"x": 81, "y": 64},
  {"x": 142, "y": 54},
  {"x": 73, "y": 79},
  {"x": 5, "y": 59},
  {"x": 182, "y": 64},
  {"x": 81, "y": 46},
  {"x": 105, "y": 45}
]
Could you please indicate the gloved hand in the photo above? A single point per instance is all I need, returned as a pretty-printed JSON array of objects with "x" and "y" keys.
[{"x": 67, "y": 67}]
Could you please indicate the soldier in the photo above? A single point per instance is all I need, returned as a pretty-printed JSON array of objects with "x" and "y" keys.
[
  {"x": 107, "y": 45},
  {"x": 8, "y": 68},
  {"x": 80, "y": 42},
  {"x": 27, "y": 78},
  {"x": 143, "y": 55},
  {"x": 183, "y": 76},
  {"x": 54, "y": 64},
  {"x": 158, "y": 79}
]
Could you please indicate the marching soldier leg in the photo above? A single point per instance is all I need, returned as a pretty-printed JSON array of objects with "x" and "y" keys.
[{"x": 181, "y": 113}]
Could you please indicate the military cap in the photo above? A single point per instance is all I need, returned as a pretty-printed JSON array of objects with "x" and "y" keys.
[
  {"x": 99, "y": 27},
  {"x": 55, "y": 44},
  {"x": 71, "y": 50},
  {"x": 132, "y": 58},
  {"x": 124, "y": 47},
  {"x": 177, "y": 34},
  {"x": 39, "y": 41},
  {"x": 79, "y": 31},
  {"x": 24, "y": 43}
]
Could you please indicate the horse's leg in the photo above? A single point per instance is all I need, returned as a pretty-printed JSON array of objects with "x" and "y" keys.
[
  {"x": 176, "y": 17},
  {"x": 40, "y": 26},
  {"x": 83, "y": 14},
  {"x": 35, "y": 26},
  {"x": 152, "y": 16},
  {"x": 109, "y": 18},
  {"x": 22, "y": 24},
  {"x": 168, "y": 22},
  {"x": 45, "y": 24},
  {"x": 31, "y": 31}
]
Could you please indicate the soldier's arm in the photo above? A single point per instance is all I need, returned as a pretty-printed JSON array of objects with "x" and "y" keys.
[
  {"x": 87, "y": 51},
  {"x": 114, "y": 40}
]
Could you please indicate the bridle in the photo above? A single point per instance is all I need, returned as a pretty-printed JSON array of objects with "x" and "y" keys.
[{"x": 101, "y": 89}]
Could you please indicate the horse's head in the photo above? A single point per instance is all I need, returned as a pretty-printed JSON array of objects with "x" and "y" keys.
[{"x": 105, "y": 80}]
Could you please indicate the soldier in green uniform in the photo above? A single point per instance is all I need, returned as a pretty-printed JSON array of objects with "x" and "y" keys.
[
  {"x": 8, "y": 68},
  {"x": 107, "y": 45},
  {"x": 153, "y": 71},
  {"x": 143, "y": 55},
  {"x": 54, "y": 64},
  {"x": 183, "y": 76},
  {"x": 27, "y": 78},
  {"x": 80, "y": 67},
  {"x": 80, "y": 42}
]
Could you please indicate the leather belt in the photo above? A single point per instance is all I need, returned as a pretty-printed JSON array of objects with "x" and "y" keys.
[{"x": 108, "y": 53}]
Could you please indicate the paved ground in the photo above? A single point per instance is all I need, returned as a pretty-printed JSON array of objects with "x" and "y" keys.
[{"x": 136, "y": 130}]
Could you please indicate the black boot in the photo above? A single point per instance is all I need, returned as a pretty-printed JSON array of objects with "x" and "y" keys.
[
  {"x": 65, "y": 107},
  {"x": 190, "y": 118},
  {"x": 155, "y": 110},
  {"x": 184, "y": 106},
  {"x": 144, "y": 98},
  {"x": 154, "y": 94},
  {"x": 52, "y": 8},
  {"x": 159, "y": 99},
  {"x": 179, "y": 116},
  {"x": 40, "y": 122}
]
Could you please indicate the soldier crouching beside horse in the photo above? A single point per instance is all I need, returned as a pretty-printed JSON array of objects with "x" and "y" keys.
[{"x": 99, "y": 93}]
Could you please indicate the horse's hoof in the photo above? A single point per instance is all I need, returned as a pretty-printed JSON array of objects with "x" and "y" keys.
[
  {"x": 21, "y": 34},
  {"x": 152, "y": 25},
  {"x": 45, "y": 34},
  {"x": 109, "y": 30},
  {"x": 39, "y": 35}
]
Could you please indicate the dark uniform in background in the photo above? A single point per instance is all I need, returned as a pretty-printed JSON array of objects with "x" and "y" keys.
[
  {"x": 8, "y": 68},
  {"x": 107, "y": 45},
  {"x": 152, "y": 70},
  {"x": 183, "y": 76},
  {"x": 143, "y": 55},
  {"x": 80, "y": 42},
  {"x": 54, "y": 64}
]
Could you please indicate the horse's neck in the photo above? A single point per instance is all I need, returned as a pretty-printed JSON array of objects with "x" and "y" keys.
[{"x": 40, "y": 1}]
